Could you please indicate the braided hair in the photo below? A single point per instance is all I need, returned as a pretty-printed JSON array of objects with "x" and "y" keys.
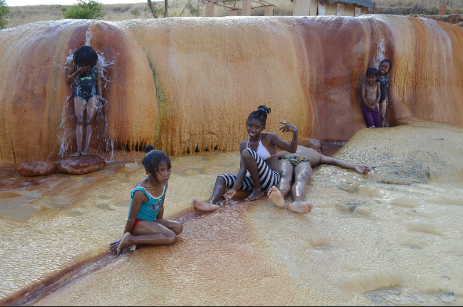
[
  {"x": 260, "y": 115},
  {"x": 85, "y": 54},
  {"x": 152, "y": 160}
]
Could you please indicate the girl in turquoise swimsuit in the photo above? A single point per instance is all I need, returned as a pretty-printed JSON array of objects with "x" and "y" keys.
[{"x": 145, "y": 223}]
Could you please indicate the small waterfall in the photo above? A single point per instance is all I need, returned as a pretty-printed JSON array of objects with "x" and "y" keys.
[{"x": 66, "y": 127}]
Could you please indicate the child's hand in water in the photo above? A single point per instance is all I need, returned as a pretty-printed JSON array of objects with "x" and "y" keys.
[
  {"x": 229, "y": 194},
  {"x": 113, "y": 247},
  {"x": 362, "y": 169},
  {"x": 287, "y": 127}
]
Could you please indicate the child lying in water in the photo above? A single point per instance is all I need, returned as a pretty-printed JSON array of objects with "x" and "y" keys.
[{"x": 299, "y": 165}]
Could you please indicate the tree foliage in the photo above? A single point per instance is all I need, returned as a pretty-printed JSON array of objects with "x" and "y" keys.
[
  {"x": 84, "y": 9},
  {"x": 4, "y": 14}
]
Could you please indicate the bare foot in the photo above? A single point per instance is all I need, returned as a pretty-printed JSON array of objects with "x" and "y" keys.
[
  {"x": 77, "y": 153},
  {"x": 276, "y": 197},
  {"x": 300, "y": 207},
  {"x": 124, "y": 242},
  {"x": 203, "y": 205},
  {"x": 256, "y": 194},
  {"x": 85, "y": 153}
]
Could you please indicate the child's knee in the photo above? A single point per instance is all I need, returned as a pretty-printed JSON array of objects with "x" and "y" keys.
[
  {"x": 178, "y": 229},
  {"x": 171, "y": 238},
  {"x": 303, "y": 176},
  {"x": 220, "y": 180},
  {"x": 246, "y": 153}
]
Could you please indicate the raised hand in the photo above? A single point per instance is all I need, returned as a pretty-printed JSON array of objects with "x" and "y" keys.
[{"x": 287, "y": 127}]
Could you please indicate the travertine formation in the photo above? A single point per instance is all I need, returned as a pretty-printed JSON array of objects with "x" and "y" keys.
[
  {"x": 81, "y": 165},
  {"x": 188, "y": 84},
  {"x": 37, "y": 168}
]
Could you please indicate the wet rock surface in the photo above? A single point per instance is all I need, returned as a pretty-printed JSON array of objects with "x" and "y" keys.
[
  {"x": 37, "y": 168},
  {"x": 81, "y": 165}
]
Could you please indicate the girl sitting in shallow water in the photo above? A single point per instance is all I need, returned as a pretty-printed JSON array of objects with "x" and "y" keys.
[
  {"x": 258, "y": 158},
  {"x": 145, "y": 224}
]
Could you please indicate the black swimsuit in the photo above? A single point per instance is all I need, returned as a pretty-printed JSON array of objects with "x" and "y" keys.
[
  {"x": 383, "y": 86},
  {"x": 86, "y": 84}
]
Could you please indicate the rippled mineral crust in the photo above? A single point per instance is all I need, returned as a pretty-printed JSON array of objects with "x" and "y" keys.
[{"x": 188, "y": 84}]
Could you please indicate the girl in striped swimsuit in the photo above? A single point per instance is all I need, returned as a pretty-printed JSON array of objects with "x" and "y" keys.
[{"x": 259, "y": 169}]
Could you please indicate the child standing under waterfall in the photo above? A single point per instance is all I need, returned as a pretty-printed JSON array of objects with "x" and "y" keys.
[
  {"x": 259, "y": 169},
  {"x": 371, "y": 94},
  {"x": 383, "y": 79},
  {"x": 145, "y": 223},
  {"x": 85, "y": 72}
]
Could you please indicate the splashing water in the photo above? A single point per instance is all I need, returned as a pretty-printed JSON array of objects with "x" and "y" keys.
[
  {"x": 88, "y": 36},
  {"x": 65, "y": 129}
]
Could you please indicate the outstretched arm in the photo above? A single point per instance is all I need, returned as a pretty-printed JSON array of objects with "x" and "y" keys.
[{"x": 360, "y": 168}]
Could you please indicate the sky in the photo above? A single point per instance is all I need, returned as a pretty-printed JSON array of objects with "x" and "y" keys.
[{"x": 64, "y": 2}]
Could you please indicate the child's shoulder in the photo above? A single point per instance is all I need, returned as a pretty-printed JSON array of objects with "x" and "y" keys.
[
  {"x": 141, "y": 184},
  {"x": 268, "y": 135}
]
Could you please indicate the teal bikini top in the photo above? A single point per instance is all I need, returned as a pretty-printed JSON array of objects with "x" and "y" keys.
[{"x": 149, "y": 210}]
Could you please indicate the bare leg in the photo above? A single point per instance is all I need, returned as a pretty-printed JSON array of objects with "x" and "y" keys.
[
  {"x": 284, "y": 185},
  {"x": 302, "y": 173},
  {"x": 219, "y": 190},
  {"x": 145, "y": 232},
  {"x": 251, "y": 166},
  {"x": 79, "y": 108},
  {"x": 278, "y": 195},
  {"x": 383, "y": 109},
  {"x": 90, "y": 116},
  {"x": 175, "y": 226}
]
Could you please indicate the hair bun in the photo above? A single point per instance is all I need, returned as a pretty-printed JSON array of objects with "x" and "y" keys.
[{"x": 264, "y": 109}]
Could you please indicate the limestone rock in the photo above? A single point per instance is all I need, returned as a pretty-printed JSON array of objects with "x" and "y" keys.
[
  {"x": 37, "y": 168},
  {"x": 81, "y": 165}
]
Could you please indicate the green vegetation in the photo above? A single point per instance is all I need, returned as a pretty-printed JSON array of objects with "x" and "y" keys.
[
  {"x": 84, "y": 9},
  {"x": 183, "y": 8},
  {"x": 4, "y": 14}
]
